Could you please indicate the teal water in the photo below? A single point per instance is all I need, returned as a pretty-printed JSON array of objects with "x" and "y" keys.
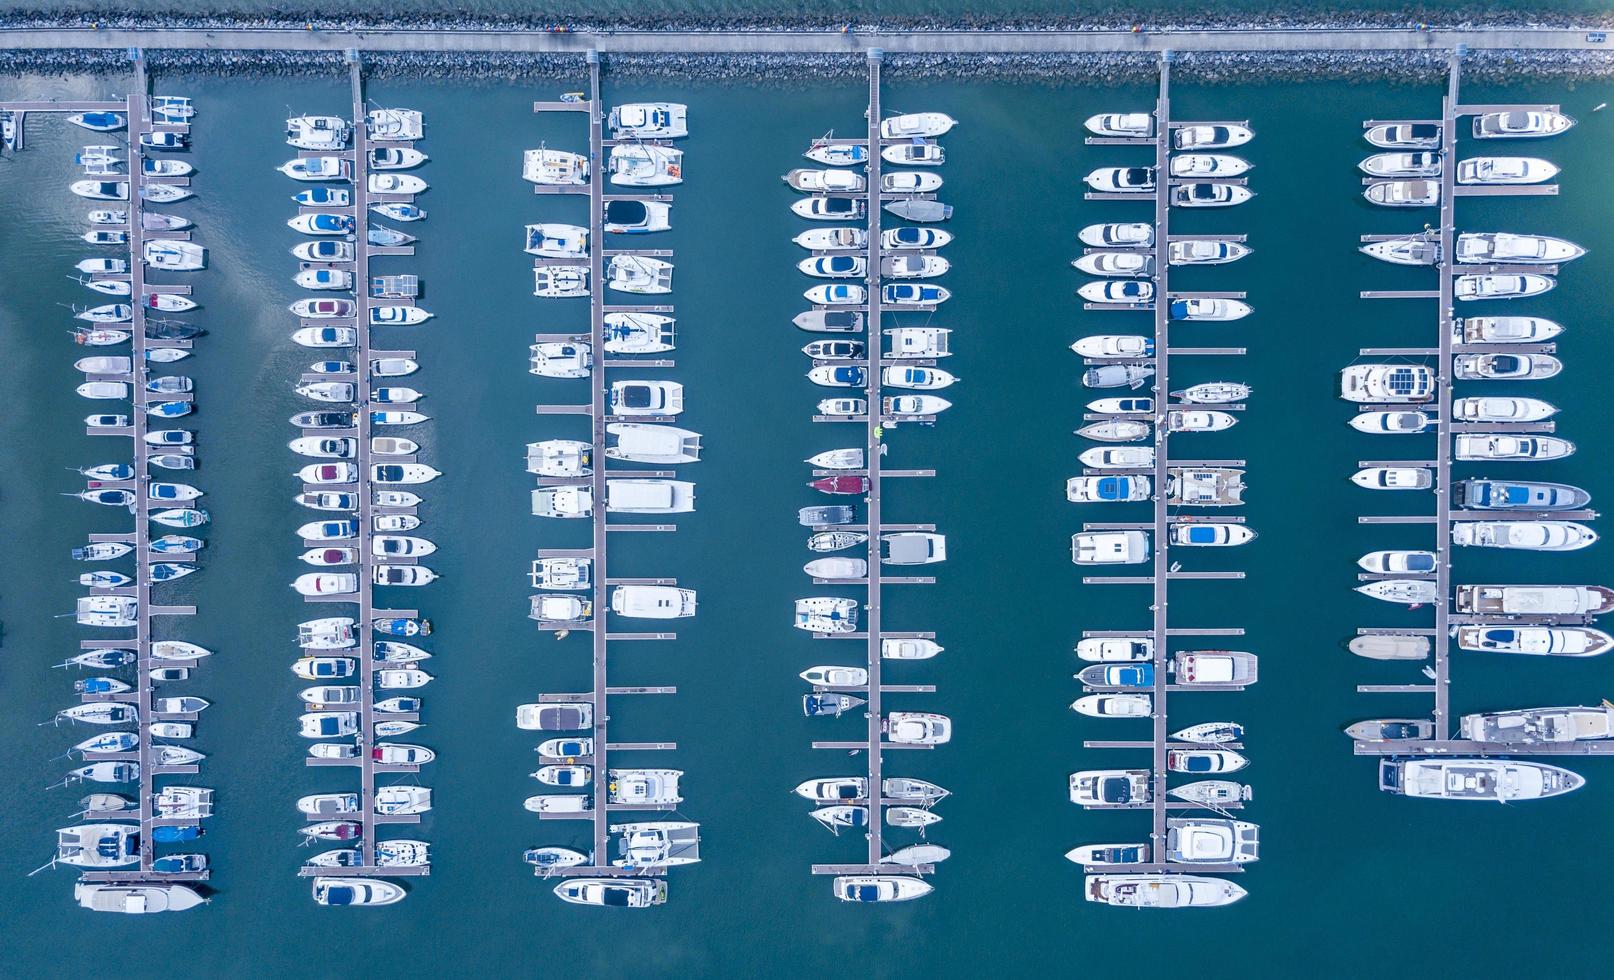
[{"x": 1339, "y": 859}]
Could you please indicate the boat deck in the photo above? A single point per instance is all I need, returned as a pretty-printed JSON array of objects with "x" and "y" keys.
[
  {"x": 600, "y": 636},
  {"x": 1163, "y": 570},
  {"x": 1453, "y": 110}
]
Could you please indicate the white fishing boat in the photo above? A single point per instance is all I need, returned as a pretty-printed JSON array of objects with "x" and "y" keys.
[
  {"x": 1121, "y": 180},
  {"x": 1524, "y": 535}
]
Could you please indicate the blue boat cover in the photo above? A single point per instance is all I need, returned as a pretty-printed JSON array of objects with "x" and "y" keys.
[{"x": 1201, "y": 534}]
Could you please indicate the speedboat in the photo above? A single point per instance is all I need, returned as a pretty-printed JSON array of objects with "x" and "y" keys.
[
  {"x": 1121, "y": 180},
  {"x": 1505, "y": 170},
  {"x": 828, "y": 207},
  {"x": 915, "y": 154},
  {"x": 627, "y": 893},
  {"x": 1418, "y": 163},
  {"x": 1500, "y": 445},
  {"x": 909, "y": 649},
  {"x": 835, "y": 266},
  {"x": 1404, "y": 136},
  {"x": 1204, "y": 195},
  {"x": 1196, "y": 421},
  {"x": 833, "y": 239},
  {"x": 1209, "y": 310},
  {"x": 1505, "y": 367},
  {"x": 1201, "y": 251},
  {"x": 1489, "y": 780},
  {"x": 837, "y": 294},
  {"x": 916, "y": 124},
  {"x": 1116, "y": 264},
  {"x": 1518, "y": 125},
  {"x": 1517, "y": 495},
  {"x": 1540, "y": 641},
  {"x": 1138, "y": 234},
  {"x": 834, "y": 154},
  {"x": 914, "y": 293},
  {"x": 1138, "y": 125},
  {"x": 562, "y": 716},
  {"x": 1393, "y": 478},
  {"x": 1410, "y": 250},
  {"x": 823, "y": 541},
  {"x": 1117, "y": 292},
  {"x": 1391, "y": 422},
  {"x": 810, "y": 181},
  {"x": 1403, "y": 193},
  {"x": 356, "y": 891},
  {"x": 322, "y": 223},
  {"x": 1210, "y": 137},
  {"x": 880, "y": 888},
  {"x": 318, "y": 168},
  {"x": 1213, "y": 165},
  {"x": 909, "y": 182},
  {"x": 1524, "y": 535},
  {"x": 391, "y": 183},
  {"x": 1504, "y": 248},
  {"x": 1497, "y": 286}
]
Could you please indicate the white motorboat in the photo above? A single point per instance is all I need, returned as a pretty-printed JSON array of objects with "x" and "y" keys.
[
  {"x": 1404, "y": 136},
  {"x": 810, "y": 181},
  {"x": 1161, "y": 891},
  {"x": 880, "y": 888},
  {"x": 1121, "y": 180},
  {"x": 135, "y": 899},
  {"x": 1107, "y": 489},
  {"x": 1199, "y": 421},
  {"x": 1200, "y": 840},
  {"x": 395, "y": 158},
  {"x": 1539, "y": 726},
  {"x": 627, "y": 893},
  {"x": 1491, "y": 409},
  {"x": 1534, "y": 600},
  {"x": 1138, "y": 125},
  {"x": 1403, "y": 193},
  {"x": 1112, "y": 292},
  {"x": 1210, "y": 534},
  {"x": 1505, "y": 367},
  {"x": 915, "y": 125},
  {"x": 1505, "y": 248},
  {"x": 394, "y": 183},
  {"x": 645, "y": 165},
  {"x": 646, "y": 398},
  {"x": 909, "y": 182},
  {"x": 1498, "y": 286},
  {"x": 1393, "y": 478},
  {"x": 916, "y": 378},
  {"x": 1504, "y": 330},
  {"x": 1213, "y": 165},
  {"x": 1121, "y": 263},
  {"x": 1115, "y": 649},
  {"x": 1138, "y": 234},
  {"x": 1118, "y": 458},
  {"x": 1380, "y": 646},
  {"x": 1111, "y": 346},
  {"x": 1399, "y": 562},
  {"x": 836, "y": 676},
  {"x": 340, "y": 279},
  {"x": 649, "y": 120},
  {"x": 1209, "y": 310},
  {"x": 649, "y": 496},
  {"x": 1210, "y": 137},
  {"x": 833, "y": 239},
  {"x": 1505, "y": 170},
  {"x": 318, "y": 168},
  {"x": 1416, "y": 163},
  {"x": 918, "y": 153},
  {"x": 1409, "y": 250},
  {"x": 835, "y": 266},
  {"x": 1209, "y": 195},
  {"x": 1520, "y": 124},
  {"x": 1205, "y": 251},
  {"x": 909, "y": 649},
  {"x": 913, "y": 266},
  {"x": 1391, "y": 422},
  {"x": 101, "y": 190}
]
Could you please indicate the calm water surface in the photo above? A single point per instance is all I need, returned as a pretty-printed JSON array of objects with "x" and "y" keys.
[{"x": 1008, "y": 605}]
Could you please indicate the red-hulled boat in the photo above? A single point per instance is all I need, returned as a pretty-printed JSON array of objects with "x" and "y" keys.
[{"x": 841, "y": 484}]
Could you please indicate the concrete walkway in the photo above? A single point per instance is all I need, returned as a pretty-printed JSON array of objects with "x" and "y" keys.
[{"x": 803, "y": 42}]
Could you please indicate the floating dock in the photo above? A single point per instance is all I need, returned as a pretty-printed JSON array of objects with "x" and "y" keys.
[
  {"x": 1447, "y": 346},
  {"x": 599, "y": 415},
  {"x": 365, "y": 488},
  {"x": 1163, "y": 570}
]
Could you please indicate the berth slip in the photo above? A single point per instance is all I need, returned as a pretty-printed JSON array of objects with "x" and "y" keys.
[
  {"x": 589, "y": 205},
  {"x": 361, "y": 483},
  {"x": 1432, "y": 389},
  {"x": 892, "y": 306},
  {"x": 132, "y": 842},
  {"x": 1132, "y": 675}
]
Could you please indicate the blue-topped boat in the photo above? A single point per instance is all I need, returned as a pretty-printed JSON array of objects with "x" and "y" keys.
[
  {"x": 100, "y": 122},
  {"x": 1517, "y": 495}
]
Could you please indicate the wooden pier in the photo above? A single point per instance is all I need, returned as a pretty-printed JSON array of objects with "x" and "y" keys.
[
  {"x": 365, "y": 489},
  {"x": 1163, "y": 571},
  {"x": 1447, "y": 345},
  {"x": 599, "y": 414}
]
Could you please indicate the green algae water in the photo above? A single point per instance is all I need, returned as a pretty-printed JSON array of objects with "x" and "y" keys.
[{"x": 1340, "y": 863}]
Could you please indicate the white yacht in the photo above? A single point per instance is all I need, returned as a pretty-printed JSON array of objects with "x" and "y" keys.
[
  {"x": 1404, "y": 136},
  {"x": 659, "y": 398},
  {"x": 1524, "y": 535},
  {"x": 1500, "y": 286},
  {"x": 1138, "y": 125},
  {"x": 1501, "y": 445},
  {"x": 830, "y": 181},
  {"x": 1505, "y": 170},
  {"x": 1505, "y": 248},
  {"x": 880, "y": 888},
  {"x": 916, "y": 124},
  {"x": 1488, "y": 780},
  {"x": 1408, "y": 250},
  {"x": 1387, "y": 383},
  {"x": 1122, "y": 180},
  {"x": 1161, "y": 891},
  {"x": 1120, "y": 263},
  {"x": 1404, "y": 193},
  {"x": 1213, "y": 165},
  {"x": 1534, "y": 600},
  {"x": 1202, "y": 840},
  {"x": 1209, "y": 195},
  {"x": 1206, "y": 251},
  {"x": 1504, "y": 330},
  {"x": 1138, "y": 234},
  {"x": 1535, "y": 641},
  {"x": 1520, "y": 124},
  {"x": 1415, "y": 163}
]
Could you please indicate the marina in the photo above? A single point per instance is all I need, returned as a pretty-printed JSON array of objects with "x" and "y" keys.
[
  {"x": 1009, "y": 620},
  {"x": 627, "y": 420},
  {"x": 1136, "y": 674},
  {"x": 1460, "y": 505}
]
